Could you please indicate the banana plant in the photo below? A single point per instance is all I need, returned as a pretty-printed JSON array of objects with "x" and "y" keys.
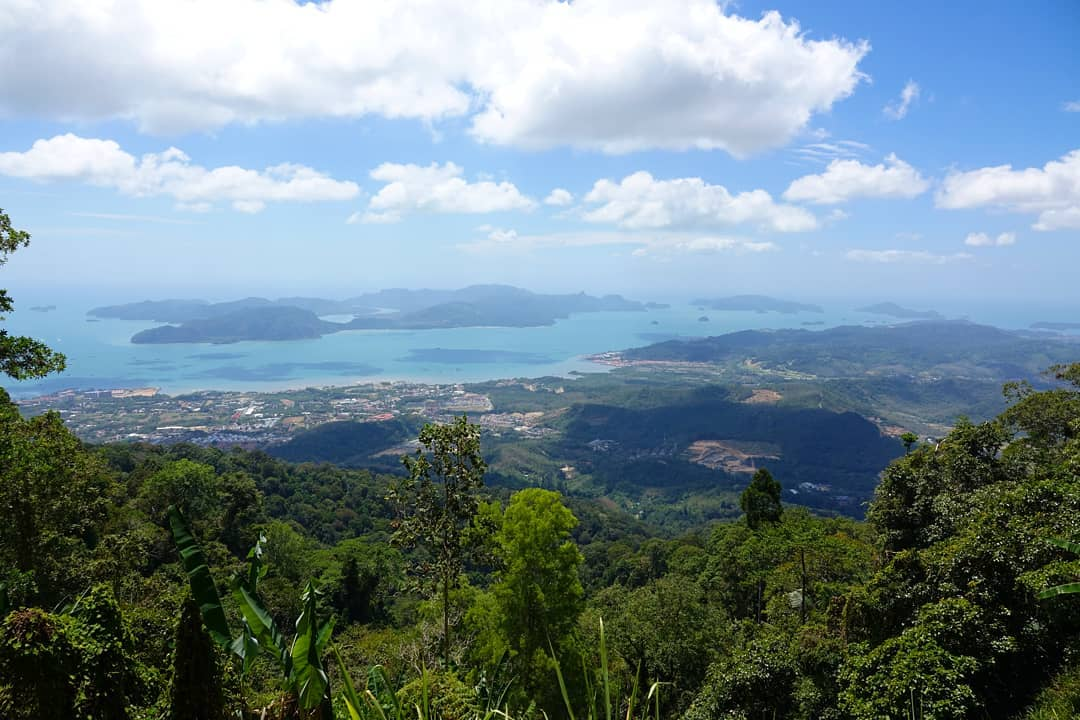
[
  {"x": 303, "y": 675},
  {"x": 1067, "y": 588}
]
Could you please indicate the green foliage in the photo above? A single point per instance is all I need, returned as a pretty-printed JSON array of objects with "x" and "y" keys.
[
  {"x": 925, "y": 667},
  {"x": 21, "y": 357},
  {"x": 53, "y": 502},
  {"x": 436, "y": 506},
  {"x": 37, "y": 662},
  {"x": 195, "y": 688},
  {"x": 202, "y": 583},
  {"x": 76, "y": 665},
  {"x": 761, "y": 499},
  {"x": 537, "y": 591}
]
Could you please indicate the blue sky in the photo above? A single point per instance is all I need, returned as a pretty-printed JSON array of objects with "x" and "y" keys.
[{"x": 908, "y": 151}]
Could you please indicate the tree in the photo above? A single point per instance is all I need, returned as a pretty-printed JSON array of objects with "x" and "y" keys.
[
  {"x": 195, "y": 691},
  {"x": 909, "y": 439},
  {"x": 53, "y": 502},
  {"x": 761, "y": 499},
  {"x": 535, "y": 603},
  {"x": 21, "y": 357},
  {"x": 538, "y": 589},
  {"x": 437, "y": 507}
]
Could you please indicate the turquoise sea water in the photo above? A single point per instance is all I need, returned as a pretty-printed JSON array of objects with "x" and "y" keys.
[{"x": 100, "y": 354}]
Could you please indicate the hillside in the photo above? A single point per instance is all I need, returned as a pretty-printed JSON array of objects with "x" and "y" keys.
[{"x": 952, "y": 348}]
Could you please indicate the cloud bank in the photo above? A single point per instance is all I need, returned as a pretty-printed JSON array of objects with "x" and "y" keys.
[
  {"x": 171, "y": 173},
  {"x": 608, "y": 75}
]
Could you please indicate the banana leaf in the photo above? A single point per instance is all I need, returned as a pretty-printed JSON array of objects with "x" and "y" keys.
[
  {"x": 308, "y": 678},
  {"x": 202, "y": 583},
  {"x": 1067, "y": 589},
  {"x": 1072, "y": 547},
  {"x": 263, "y": 628}
]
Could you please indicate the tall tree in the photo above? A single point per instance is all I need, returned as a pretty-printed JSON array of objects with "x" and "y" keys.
[
  {"x": 21, "y": 357},
  {"x": 761, "y": 499},
  {"x": 538, "y": 593},
  {"x": 437, "y": 506}
]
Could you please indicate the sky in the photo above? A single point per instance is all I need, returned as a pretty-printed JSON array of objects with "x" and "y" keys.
[{"x": 221, "y": 148}]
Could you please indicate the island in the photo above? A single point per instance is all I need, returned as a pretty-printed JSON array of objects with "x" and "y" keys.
[
  {"x": 897, "y": 311},
  {"x": 198, "y": 321},
  {"x": 42, "y": 308},
  {"x": 756, "y": 303},
  {"x": 266, "y": 323},
  {"x": 946, "y": 347},
  {"x": 1046, "y": 325}
]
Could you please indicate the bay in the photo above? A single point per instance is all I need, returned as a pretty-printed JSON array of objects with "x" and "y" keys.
[{"x": 101, "y": 356}]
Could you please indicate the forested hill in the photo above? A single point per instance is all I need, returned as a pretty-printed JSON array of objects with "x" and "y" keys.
[
  {"x": 147, "y": 582},
  {"x": 955, "y": 348}
]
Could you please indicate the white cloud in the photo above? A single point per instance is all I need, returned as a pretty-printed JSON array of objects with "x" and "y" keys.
[
  {"x": 722, "y": 244},
  {"x": 1052, "y": 191},
  {"x": 654, "y": 244},
  {"x": 171, "y": 173},
  {"x": 922, "y": 257},
  {"x": 437, "y": 189},
  {"x": 502, "y": 236},
  {"x": 613, "y": 75},
  {"x": 984, "y": 240},
  {"x": 845, "y": 180},
  {"x": 823, "y": 152},
  {"x": 909, "y": 95},
  {"x": 1071, "y": 106},
  {"x": 640, "y": 201},
  {"x": 559, "y": 198}
]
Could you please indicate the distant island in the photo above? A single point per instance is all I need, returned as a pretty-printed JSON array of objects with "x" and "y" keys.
[
  {"x": 756, "y": 303},
  {"x": 1044, "y": 325},
  {"x": 266, "y": 323},
  {"x": 897, "y": 311},
  {"x": 42, "y": 308},
  {"x": 956, "y": 346},
  {"x": 198, "y": 321}
]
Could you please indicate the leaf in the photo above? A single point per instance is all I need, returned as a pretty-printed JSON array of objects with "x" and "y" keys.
[
  {"x": 261, "y": 623},
  {"x": 1072, "y": 547},
  {"x": 202, "y": 583},
  {"x": 246, "y": 647},
  {"x": 562, "y": 683},
  {"x": 308, "y": 679},
  {"x": 323, "y": 637},
  {"x": 1067, "y": 589},
  {"x": 353, "y": 702},
  {"x": 256, "y": 568}
]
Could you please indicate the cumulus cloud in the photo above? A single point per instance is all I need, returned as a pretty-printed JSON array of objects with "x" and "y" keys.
[
  {"x": 170, "y": 173},
  {"x": 436, "y": 188},
  {"x": 559, "y": 198},
  {"x": 899, "y": 109},
  {"x": 983, "y": 240},
  {"x": 1071, "y": 106},
  {"x": 640, "y": 201},
  {"x": 678, "y": 74},
  {"x": 845, "y": 180},
  {"x": 1052, "y": 191},
  {"x": 922, "y": 257}
]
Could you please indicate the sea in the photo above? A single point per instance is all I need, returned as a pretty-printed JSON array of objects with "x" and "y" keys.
[{"x": 100, "y": 354}]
